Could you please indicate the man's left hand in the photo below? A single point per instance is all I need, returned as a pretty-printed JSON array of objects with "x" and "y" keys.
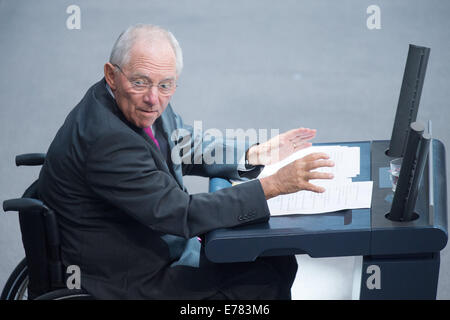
[{"x": 280, "y": 147}]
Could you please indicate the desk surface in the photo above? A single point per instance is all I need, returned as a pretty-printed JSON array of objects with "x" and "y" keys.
[{"x": 342, "y": 233}]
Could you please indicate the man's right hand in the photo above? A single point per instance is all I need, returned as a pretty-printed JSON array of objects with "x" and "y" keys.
[{"x": 296, "y": 175}]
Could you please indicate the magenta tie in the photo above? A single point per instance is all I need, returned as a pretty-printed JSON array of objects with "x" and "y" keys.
[{"x": 149, "y": 132}]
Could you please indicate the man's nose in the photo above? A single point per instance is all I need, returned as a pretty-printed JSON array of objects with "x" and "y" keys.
[{"x": 151, "y": 95}]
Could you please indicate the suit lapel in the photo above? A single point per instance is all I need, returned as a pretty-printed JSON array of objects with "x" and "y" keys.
[{"x": 167, "y": 124}]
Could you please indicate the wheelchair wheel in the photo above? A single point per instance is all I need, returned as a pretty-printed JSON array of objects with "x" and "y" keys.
[
  {"x": 16, "y": 288},
  {"x": 66, "y": 294}
]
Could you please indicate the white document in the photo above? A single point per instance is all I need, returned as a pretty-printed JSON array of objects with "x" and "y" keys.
[
  {"x": 346, "y": 160},
  {"x": 341, "y": 193},
  {"x": 353, "y": 195}
]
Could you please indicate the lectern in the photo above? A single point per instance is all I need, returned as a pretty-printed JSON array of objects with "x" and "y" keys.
[{"x": 397, "y": 241}]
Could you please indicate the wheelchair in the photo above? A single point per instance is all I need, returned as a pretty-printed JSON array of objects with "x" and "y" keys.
[{"x": 41, "y": 274}]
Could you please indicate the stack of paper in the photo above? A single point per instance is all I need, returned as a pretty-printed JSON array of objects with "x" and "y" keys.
[
  {"x": 354, "y": 195},
  {"x": 346, "y": 160},
  {"x": 341, "y": 193}
]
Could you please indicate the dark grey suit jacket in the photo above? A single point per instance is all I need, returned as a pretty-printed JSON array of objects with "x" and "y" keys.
[{"x": 124, "y": 216}]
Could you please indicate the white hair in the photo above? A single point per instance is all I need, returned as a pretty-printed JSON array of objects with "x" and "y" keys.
[{"x": 120, "y": 53}]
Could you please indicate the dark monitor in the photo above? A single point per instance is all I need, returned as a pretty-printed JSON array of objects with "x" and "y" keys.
[{"x": 408, "y": 102}]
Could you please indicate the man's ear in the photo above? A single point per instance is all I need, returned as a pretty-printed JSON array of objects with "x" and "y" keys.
[{"x": 109, "y": 71}]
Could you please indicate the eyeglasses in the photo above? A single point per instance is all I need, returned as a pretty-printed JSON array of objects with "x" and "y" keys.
[{"x": 139, "y": 84}]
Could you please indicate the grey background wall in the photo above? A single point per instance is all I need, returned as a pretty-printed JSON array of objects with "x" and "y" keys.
[{"x": 248, "y": 64}]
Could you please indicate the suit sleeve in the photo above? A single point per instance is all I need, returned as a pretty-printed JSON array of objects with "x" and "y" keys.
[{"x": 120, "y": 169}]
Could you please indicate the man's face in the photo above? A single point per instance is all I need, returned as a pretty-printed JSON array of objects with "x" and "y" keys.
[{"x": 147, "y": 64}]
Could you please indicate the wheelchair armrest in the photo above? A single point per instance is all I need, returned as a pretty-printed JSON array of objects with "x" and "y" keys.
[
  {"x": 23, "y": 204},
  {"x": 51, "y": 225},
  {"x": 30, "y": 159}
]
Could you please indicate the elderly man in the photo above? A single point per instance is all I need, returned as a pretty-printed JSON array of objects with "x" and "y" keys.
[{"x": 125, "y": 217}]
